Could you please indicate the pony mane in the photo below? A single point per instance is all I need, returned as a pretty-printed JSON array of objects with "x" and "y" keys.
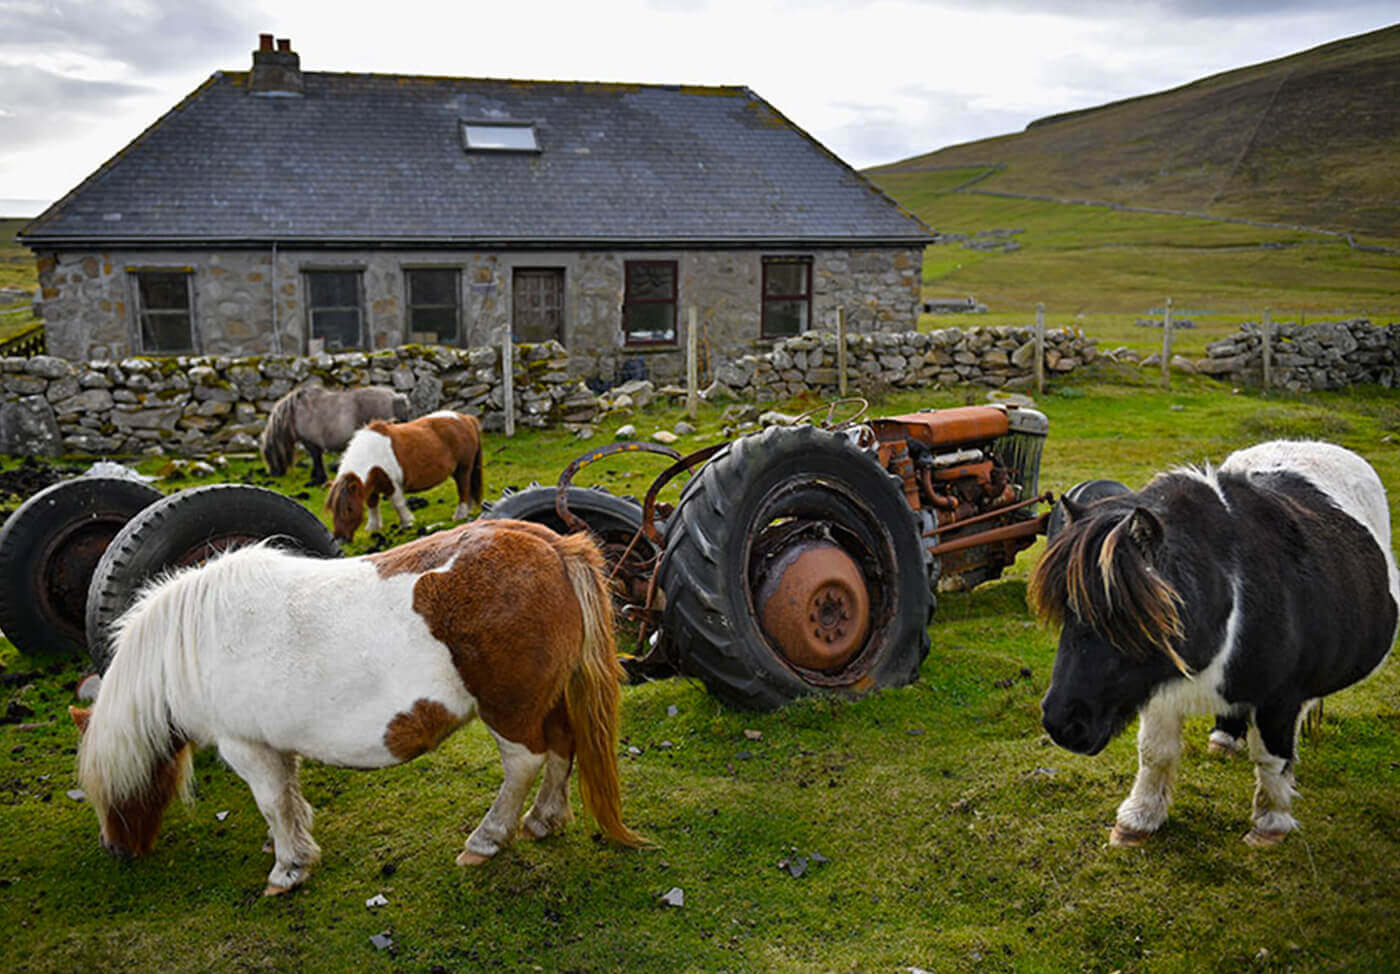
[
  {"x": 133, "y": 724},
  {"x": 1097, "y": 571}
]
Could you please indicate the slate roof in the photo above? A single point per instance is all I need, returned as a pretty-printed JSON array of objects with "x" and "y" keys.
[{"x": 367, "y": 160}]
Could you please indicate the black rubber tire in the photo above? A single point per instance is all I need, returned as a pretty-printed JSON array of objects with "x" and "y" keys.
[
  {"x": 49, "y": 549},
  {"x": 1083, "y": 493},
  {"x": 608, "y": 516},
  {"x": 808, "y": 474},
  {"x": 613, "y": 521},
  {"x": 184, "y": 529}
]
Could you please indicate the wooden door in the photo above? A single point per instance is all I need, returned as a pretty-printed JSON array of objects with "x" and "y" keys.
[{"x": 537, "y": 304}]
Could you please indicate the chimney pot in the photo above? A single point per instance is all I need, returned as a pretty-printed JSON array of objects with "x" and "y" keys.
[{"x": 275, "y": 71}]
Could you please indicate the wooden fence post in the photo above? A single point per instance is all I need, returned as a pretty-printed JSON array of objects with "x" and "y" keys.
[
  {"x": 1167, "y": 346},
  {"x": 692, "y": 365},
  {"x": 1266, "y": 334},
  {"x": 1039, "y": 348},
  {"x": 841, "y": 351},
  {"x": 508, "y": 380}
]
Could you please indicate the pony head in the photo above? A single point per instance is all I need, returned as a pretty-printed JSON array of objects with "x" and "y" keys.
[
  {"x": 346, "y": 502},
  {"x": 1100, "y": 581},
  {"x": 129, "y": 813}
]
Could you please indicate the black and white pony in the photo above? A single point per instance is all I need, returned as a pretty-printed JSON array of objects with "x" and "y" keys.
[{"x": 1251, "y": 590}]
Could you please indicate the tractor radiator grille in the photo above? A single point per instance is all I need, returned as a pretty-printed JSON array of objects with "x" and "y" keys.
[{"x": 1020, "y": 450}]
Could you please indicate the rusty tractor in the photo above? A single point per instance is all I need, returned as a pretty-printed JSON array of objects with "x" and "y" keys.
[{"x": 807, "y": 558}]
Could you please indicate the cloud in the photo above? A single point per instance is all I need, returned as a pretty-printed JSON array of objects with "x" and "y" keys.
[
  {"x": 146, "y": 37},
  {"x": 37, "y": 105}
]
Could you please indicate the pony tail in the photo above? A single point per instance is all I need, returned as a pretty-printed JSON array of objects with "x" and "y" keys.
[
  {"x": 593, "y": 692},
  {"x": 278, "y": 441}
]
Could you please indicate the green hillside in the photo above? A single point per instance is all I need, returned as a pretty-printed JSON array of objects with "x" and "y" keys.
[{"x": 1312, "y": 139}]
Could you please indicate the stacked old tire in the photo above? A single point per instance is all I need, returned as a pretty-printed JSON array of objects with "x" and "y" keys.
[{"x": 76, "y": 555}]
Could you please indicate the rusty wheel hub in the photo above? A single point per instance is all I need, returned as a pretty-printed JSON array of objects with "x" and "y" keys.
[{"x": 813, "y": 605}]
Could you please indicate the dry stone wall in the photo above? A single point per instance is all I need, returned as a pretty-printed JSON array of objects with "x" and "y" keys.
[
  {"x": 996, "y": 357},
  {"x": 192, "y": 406},
  {"x": 1305, "y": 358},
  {"x": 198, "y": 405}
]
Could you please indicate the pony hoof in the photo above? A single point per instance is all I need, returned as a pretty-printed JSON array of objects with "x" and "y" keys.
[
  {"x": 1222, "y": 746},
  {"x": 1126, "y": 838},
  {"x": 272, "y": 890},
  {"x": 469, "y": 858},
  {"x": 1261, "y": 839}
]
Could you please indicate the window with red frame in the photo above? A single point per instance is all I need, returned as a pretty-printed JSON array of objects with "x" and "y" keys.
[
  {"x": 787, "y": 296},
  {"x": 649, "y": 302}
]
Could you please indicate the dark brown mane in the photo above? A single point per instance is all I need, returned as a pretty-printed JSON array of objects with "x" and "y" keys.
[{"x": 1099, "y": 572}]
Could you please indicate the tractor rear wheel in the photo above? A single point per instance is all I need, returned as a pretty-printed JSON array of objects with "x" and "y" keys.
[
  {"x": 793, "y": 565},
  {"x": 185, "y": 529}
]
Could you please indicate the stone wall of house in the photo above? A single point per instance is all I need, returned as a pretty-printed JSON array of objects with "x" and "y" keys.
[
  {"x": 1304, "y": 358},
  {"x": 253, "y": 302},
  {"x": 196, "y": 405}
]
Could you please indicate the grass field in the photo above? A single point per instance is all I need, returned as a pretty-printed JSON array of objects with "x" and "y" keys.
[
  {"x": 1100, "y": 269},
  {"x": 956, "y": 838},
  {"x": 16, "y": 271}
]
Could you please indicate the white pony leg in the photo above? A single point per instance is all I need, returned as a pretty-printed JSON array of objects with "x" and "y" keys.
[
  {"x": 374, "y": 523},
  {"x": 1159, "y": 749},
  {"x": 502, "y": 820},
  {"x": 1273, "y": 794},
  {"x": 272, "y": 776},
  {"x": 463, "y": 509},
  {"x": 551, "y": 811},
  {"x": 400, "y": 503}
]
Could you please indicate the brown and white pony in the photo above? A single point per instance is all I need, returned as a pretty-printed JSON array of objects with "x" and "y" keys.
[
  {"x": 394, "y": 459},
  {"x": 322, "y": 419},
  {"x": 364, "y": 663}
]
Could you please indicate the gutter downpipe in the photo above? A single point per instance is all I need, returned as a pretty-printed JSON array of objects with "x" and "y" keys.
[{"x": 276, "y": 333}]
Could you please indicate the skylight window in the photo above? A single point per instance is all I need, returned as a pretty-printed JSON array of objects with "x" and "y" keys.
[{"x": 500, "y": 136}]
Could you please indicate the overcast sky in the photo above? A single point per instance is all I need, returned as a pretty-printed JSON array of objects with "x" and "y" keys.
[{"x": 873, "y": 80}]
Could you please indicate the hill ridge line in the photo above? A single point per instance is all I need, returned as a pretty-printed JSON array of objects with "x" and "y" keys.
[{"x": 1160, "y": 211}]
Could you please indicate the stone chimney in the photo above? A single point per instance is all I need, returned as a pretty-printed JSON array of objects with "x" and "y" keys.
[{"x": 275, "y": 71}]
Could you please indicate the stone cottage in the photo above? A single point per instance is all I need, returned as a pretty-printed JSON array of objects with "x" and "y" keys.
[{"x": 285, "y": 211}]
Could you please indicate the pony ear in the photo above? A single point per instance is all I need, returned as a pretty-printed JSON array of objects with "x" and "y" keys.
[
  {"x": 80, "y": 717},
  {"x": 1146, "y": 531},
  {"x": 1073, "y": 509}
]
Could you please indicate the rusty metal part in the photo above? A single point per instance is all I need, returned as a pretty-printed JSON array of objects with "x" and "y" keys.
[
  {"x": 1008, "y": 532},
  {"x": 561, "y": 503},
  {"x": 682, "y": 464},
  {"x": 862, "y": 407},
  {"x": 958, "y": 525},
  {"x": 66, "y": 566},
  {"x": 814, "y": 607},
  {"x": 964, "y": 424}
]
